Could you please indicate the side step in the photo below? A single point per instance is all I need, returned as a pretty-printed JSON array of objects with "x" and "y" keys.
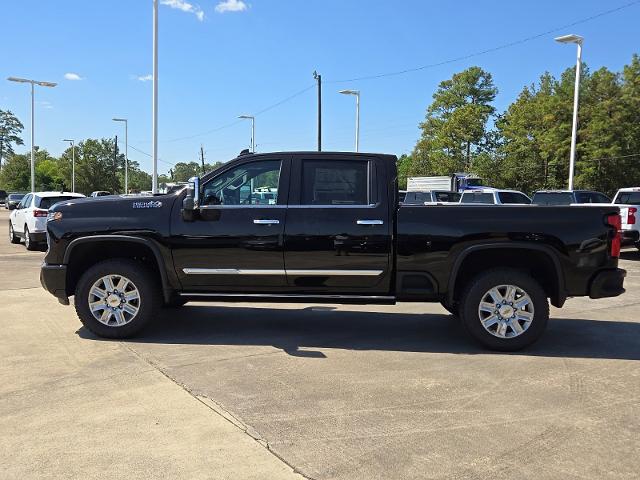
[{"x": 290, "y": 298}]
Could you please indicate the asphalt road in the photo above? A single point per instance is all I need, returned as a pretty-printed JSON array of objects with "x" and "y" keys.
[{"x": 345, "y": 392}]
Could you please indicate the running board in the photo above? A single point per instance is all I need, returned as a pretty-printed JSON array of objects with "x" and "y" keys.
[{"x": 291, "y": 298}]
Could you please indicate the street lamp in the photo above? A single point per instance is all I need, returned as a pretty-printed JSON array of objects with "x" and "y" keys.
[
  {"x": 73, "y": 164},
  {"x": 126, "y": 152},
  {"x": 33, "y": 156},
  {"x": 577, "y": 39},
  {"x": 253, "y": 130},
  {"x": 357, "y": 95}
]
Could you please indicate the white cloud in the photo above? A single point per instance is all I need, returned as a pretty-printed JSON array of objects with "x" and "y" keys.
[
  {"x": 72, "y": 76},
  {"x": 185, "y": 7},
  {"x": 46, "y": 104},
  {"x": 145, "y": 78},
  {"x": 231, "y": 6}
]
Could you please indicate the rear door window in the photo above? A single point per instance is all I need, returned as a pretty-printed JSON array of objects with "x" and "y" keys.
[{"x": 335, "y": 182}]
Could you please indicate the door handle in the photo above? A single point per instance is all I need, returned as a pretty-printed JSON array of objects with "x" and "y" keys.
[
  {"x": 369, "y": 222},
  {"x": 265, "y": 222}
]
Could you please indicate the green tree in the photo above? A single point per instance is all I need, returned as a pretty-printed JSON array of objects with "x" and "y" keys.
[
  {"x": 454, "y": 132},
  {"x": 10, "y": 130},
  {"x": 97, "y": 166}
]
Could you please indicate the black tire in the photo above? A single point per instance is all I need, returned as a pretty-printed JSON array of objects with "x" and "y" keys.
[
  {"x": 28, "y": 241},
  {"x": 452, "y": 309},
  {"x": 474, "y": 295},
  {"x": 13, "y": 238},
  {"x": 141, "y": 278}
]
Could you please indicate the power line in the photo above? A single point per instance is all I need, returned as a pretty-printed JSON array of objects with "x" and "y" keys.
[
  {"x": 488, "y": 50},
  {"x": 610, "y": 158}
]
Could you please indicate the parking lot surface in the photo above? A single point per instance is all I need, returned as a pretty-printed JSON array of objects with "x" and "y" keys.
[{"x": 285, "y": 391}]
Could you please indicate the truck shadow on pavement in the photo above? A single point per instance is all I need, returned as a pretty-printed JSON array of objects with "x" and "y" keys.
[{"x": 305, "y": 332}]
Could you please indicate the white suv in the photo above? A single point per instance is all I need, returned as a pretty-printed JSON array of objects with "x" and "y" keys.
[{"x": 29, "y": 219}]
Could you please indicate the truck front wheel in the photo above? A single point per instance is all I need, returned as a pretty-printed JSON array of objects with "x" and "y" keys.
[
  {"x": 504, "y": 309},
  {"x": 116, "y": 298}
]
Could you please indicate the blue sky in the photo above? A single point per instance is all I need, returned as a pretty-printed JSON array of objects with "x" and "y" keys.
[{"x": 222, "y": 58}]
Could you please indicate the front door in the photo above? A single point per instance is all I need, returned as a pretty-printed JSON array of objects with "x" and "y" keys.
[
  {"x": 236, "y": 240},
  {"x": 339, "y": 226}
]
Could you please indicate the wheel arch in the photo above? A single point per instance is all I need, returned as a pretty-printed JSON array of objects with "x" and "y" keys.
[
  {"x": 87, "y": 251},
  {"x": 542, "y": 262}
]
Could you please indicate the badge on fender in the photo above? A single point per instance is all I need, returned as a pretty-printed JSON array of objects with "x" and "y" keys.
[{"x": 149, "y": 204}]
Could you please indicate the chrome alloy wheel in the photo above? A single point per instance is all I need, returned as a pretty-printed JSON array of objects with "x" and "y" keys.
[
  {"x": 506, "y": 311},
  {"x": 114, "y": 300}
]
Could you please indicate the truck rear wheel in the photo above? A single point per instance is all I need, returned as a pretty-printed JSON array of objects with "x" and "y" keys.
[
  {"x": 116, "y": 298},
  {"x": 504, "y": 309}
]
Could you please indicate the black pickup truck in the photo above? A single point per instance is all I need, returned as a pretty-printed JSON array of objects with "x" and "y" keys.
[{"x": 326, "y": 227}]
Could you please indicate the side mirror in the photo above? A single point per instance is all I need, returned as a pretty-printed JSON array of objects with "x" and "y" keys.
[{"x": 190, "y": 203}]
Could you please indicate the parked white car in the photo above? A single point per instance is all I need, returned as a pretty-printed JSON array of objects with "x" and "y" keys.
[
  {"x": 494, "y": 196},
  {"x": 628, "y": 199},
  {"x": 29, "y": 219}
]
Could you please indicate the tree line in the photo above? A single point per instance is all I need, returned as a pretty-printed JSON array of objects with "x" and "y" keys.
[{"x": 526, "y": 147}]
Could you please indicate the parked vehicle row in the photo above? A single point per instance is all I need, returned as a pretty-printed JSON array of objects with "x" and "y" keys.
[{"x": 12, "y": 200}]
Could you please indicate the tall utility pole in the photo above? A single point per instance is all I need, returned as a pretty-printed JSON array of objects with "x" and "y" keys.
[
  {"x": 577, "y": 39},
  {"x": 202, "y": 158},
  {"x": 154, "y": 150},
  {"x": 126, "y": 152},
  {"x": 33, "y": 152},
  {"x": 73, "y": 164},
  {"x": 318, "y": 78}
]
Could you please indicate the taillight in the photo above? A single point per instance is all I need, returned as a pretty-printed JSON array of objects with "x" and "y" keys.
[
  {"x": 40, "y": 213},
  {"x": 631, "y": 215},
  {"x": 615, "y": 221}
]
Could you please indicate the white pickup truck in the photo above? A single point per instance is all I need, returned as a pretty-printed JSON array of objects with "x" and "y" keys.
[{"x": 629, "y": 201}]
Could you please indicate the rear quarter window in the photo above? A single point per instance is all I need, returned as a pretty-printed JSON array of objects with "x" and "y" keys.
[{"x": 628, "y": 198}]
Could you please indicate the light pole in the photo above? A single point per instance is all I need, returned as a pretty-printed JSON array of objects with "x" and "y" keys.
[
  {"x": 126, "y": 152},
  {"x": 356, "y": 93},
  {"x": 33, "y": 156},
  {"x": 73, "y": 164},
  {"x": 253, "y": 130},
  {"x": 577, "y": 39},
  {"x": 154, "y": 151}
]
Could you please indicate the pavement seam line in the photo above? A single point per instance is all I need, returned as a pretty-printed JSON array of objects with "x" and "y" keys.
[{"x": 220, "y": 411}]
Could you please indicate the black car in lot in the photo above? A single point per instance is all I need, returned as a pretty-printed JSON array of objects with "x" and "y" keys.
[
  {"x": 335, "y": 233},
  {"x": 13, "y": 199}
]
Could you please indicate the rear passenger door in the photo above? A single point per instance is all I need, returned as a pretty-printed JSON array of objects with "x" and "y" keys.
[
  {"x": 339, "y": 226},
  {"x": 20, "y": 215}
]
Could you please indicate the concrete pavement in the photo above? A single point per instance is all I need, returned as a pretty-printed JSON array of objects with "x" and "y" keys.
[{"x": 345, "y": 392}]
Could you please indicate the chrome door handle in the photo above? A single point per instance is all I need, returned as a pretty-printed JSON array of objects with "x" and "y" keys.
[
  {"x": 369, "y": 222},
  {"x": 266, "y": 222}
]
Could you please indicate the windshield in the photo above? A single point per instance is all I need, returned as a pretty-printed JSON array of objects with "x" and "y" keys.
[
  {"x": 553, "y": 198},
  {"x": 628, "y": 198},
  {"x": 46, "y": 202}
]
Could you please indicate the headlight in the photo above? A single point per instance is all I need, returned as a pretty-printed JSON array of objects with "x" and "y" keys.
[{"x": 54, "y": 216}]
